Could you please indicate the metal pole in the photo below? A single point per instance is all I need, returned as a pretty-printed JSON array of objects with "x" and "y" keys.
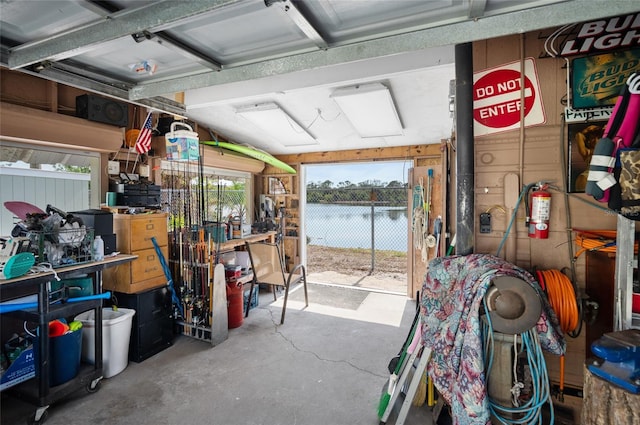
[
  {"x": 465, "y": 151},
  {"x": 373, "y": 233}
]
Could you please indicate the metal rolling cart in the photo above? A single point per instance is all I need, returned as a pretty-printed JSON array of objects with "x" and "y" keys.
[{"x": 38, "y": 391}]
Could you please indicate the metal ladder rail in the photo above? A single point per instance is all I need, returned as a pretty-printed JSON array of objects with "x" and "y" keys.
[
  {"x": 421, "y": 369},
  {"x": 626, "y": 262},
  {"x": 423, "y": 355}
]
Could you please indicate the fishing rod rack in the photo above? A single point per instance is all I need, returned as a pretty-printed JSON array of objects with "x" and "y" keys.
[
  {"x": 193, "y": 256},
  {"x": 198, "y": 200}
]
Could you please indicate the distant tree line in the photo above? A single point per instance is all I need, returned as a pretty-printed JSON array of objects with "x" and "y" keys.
[{"x": 393, "y": 193}]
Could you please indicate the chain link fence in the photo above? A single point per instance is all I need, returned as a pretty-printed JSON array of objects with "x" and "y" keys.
[{"x": 366, "y": 227}]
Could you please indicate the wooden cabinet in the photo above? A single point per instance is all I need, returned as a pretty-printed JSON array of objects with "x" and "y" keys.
[
  {"x": 133, "y": 236},
  {"x": 600, "y": 288}
]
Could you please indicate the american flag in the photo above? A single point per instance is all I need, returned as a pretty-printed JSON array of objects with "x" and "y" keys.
[{"x": 143, "y": 142}]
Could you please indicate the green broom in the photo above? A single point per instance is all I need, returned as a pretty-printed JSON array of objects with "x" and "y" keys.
[{"x": 386, "y": 397}]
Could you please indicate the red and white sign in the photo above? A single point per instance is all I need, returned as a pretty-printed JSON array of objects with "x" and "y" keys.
[{"x": 497, "y": 98}]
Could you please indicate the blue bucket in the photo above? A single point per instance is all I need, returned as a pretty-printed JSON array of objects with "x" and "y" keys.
[{"x": 64, "y": 357}]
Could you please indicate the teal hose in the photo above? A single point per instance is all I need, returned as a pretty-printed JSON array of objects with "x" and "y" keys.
[
  {"x": 531, "y": 411},
  {"x": 523, "y": 193}
]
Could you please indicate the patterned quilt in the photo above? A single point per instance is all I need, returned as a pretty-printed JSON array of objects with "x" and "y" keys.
[{"x": 452, "y": 295}]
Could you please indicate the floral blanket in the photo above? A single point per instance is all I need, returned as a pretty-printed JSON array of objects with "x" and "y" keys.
[{"x": 451, "y": 298}]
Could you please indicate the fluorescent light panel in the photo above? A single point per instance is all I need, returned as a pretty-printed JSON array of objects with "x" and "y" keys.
[
  {"x": 370, "y": 109},
  {"x": 277, "y": 123}
]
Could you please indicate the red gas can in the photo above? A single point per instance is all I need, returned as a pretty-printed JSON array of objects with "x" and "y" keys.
[{"x": 234, "y": 305}]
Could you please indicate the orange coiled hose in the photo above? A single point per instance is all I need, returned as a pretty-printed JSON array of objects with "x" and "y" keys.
[
  {"x": 562, "y": 298},
  {"x": 597, "y": 240}
]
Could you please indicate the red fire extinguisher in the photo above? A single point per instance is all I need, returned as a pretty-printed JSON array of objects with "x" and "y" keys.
[{"x": 540, "y": 213}]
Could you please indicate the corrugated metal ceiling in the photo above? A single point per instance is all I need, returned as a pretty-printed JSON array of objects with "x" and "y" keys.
[{"x": 225, "y": 53}]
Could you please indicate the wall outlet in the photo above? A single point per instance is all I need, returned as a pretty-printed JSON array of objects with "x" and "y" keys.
[
  {"x": 113, "y": 167},
  {"x": 485, "y": 223},
  {"x": 143, "y": 171}
]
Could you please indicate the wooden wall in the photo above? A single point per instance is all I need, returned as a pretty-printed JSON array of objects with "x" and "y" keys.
[{"x": 545, "y": 149}]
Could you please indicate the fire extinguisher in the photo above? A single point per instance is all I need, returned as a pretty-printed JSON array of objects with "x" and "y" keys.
[{"x": 540, "y": 213}]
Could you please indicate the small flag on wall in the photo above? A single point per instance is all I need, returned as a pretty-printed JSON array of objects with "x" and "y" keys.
[{"x": 143, "y": 142}]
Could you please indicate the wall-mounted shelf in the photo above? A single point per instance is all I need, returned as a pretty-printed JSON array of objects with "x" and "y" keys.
[{"x": 284, "y": 189}]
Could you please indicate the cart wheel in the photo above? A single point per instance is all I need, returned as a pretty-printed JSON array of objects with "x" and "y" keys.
[
  {"x": 93, "y": 386},
  {"x": 43, "y": 418}
]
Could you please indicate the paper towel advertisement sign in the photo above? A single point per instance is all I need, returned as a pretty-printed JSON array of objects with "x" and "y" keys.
[{"x": 497, "y": 100}]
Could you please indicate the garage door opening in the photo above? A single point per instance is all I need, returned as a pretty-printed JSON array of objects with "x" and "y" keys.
[{"x": 356, "y": 225}]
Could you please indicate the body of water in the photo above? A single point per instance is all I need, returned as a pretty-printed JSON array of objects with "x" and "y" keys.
[{"x": 347, "y": 226}]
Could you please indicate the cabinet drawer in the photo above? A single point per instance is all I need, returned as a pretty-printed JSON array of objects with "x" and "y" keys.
[
  {"x": 143, "y": 273},
  {"x": 135, "y": 232},
  {"x": 147, "y": 265},
  {"x": 149, "y": 305},
  {"x": 150, "y": 338}
]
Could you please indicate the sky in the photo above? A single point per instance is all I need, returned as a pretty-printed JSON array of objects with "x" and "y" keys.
[{"x": 385, "y": 172}]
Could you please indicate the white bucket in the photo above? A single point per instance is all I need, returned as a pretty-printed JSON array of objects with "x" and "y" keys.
[{"x": 116, "y": 332}]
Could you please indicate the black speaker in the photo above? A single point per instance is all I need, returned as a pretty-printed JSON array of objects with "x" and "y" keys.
[{"x": 101, "y": 109}]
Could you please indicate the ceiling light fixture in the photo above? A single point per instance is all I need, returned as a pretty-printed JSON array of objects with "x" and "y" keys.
[
  {"x": 370, "y": 109},
  {"x": 277, "y": 123}
]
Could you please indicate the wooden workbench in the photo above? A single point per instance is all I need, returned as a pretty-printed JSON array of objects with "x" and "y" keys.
[{"x": 232, "y": 244}]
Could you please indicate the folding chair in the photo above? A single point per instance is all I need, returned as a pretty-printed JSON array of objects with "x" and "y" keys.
[{"x": 268, "y": 269}]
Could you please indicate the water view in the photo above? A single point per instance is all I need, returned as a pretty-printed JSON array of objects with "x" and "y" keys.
[{"x": 348, "y": 226}]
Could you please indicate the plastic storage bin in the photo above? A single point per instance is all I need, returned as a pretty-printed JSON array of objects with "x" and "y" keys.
[
  {"x": 116, "y": 332},
  {"x": 76, "y": 287}
]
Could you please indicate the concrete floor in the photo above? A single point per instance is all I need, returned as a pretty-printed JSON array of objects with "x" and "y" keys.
[{"x": 325, "y": 365}]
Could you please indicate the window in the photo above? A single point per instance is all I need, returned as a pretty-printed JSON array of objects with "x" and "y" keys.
[
  {"x": 193, "y": 196},
  {"x": 45, "y": 176}
]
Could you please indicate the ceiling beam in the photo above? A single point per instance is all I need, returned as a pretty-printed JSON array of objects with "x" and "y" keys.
[
  {"x": 521, "y": 21},
  {"x": 291, "y": 11},
  {"x": 372, "y": 154},
  {"x": 161, "y": 37},
  {"x": 477, "y": 8},
  {"x": 165, "y": 39},
  {"x": 159, "y": 15}
]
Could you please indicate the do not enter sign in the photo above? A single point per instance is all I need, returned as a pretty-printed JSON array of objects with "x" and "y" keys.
[
  {"x": 497, "y": 101},
  {"x": 498, "y": 98}
]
